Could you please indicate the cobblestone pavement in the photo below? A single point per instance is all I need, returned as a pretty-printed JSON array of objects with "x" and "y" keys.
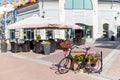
[{"x": 31, "y": 66}]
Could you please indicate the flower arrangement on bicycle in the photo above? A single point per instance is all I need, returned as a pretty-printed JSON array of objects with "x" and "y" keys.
[
  {"x": 91, "y": 58},
  {"x": 79, "y": 57},
  {"x": 65, "y": 45}
]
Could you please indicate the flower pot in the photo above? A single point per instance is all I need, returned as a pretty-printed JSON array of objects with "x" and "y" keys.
[
  {"x": 74, "y": 66},
  {"x": 46, "y": 49},
  {"x": 3, "y": 47}
]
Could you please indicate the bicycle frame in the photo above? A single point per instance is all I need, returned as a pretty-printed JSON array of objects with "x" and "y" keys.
[{"x": 83, "y": 63}]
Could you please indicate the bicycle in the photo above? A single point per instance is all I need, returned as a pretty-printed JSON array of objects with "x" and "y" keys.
[{"x": 66, "y": 63}]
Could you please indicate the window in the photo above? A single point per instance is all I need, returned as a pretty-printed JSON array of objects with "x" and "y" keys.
[
  {"x": 12, "y": 34},
  {"x": 88, "y": 4},
  {"x": 78, "y": 4},
  {"x": 68, "y": 4}
]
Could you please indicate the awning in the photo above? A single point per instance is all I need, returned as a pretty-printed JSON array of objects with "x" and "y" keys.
[{"x": 42, "y": 23}]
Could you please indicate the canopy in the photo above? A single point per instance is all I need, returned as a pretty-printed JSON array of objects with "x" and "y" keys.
[{"x": 37, "y": 22}]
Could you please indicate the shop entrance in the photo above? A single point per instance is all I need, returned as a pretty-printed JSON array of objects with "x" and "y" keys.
[{"x": 105, "y": 30}]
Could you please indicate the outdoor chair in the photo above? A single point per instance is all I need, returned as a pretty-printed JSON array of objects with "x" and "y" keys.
[
  {"x": 32, "y": 45},
  {"x": 24, "y": 47},
  {"x": 27, "y": 45},
  {"x": 58, "y": 44},
  {"x": 15, "y": 47},
  {"x": 38, "y": 48},
  {"x": 52, "y": 46}
]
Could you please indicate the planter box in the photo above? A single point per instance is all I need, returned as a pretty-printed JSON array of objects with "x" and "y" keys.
[
  {"x": 74, "y": 66},
  {"x": 46, "y": 49},
  {"x": 3, "y": 47}
]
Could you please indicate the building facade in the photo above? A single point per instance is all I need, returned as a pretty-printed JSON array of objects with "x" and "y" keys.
[
  {"x": 98, "y": 18},
  {"x": 109, "y": 20}
]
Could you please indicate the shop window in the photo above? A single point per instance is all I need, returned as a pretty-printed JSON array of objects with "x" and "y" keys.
[
  {"x": 49, "y": 34},
  {"x": 28, "y": 34},
  {"x": 12, "y": 34}
]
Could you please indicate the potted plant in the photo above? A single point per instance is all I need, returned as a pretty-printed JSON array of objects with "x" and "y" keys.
[
  {"x": 46, "y": 46},
  {"x": 4, "y": 46},
  {"x": 93, "y": 58},
  {"x": 38, "y": 37}
]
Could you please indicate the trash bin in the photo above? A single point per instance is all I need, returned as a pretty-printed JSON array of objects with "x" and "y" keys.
[{"x": 112, "y": 38}]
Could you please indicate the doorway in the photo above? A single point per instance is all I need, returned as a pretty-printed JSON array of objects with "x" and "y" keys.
[{"x": 105, "y": 30}]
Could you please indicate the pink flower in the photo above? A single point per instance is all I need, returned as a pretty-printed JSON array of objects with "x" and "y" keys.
[{"x": 65, "y": 44}]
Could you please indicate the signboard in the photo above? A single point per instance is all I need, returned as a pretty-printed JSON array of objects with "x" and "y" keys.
[{"x": 17, "y": 34}]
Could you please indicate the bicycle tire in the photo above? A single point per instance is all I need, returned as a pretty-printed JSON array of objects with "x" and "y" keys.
[
  {"x": 56, "y": 59},
  {"x": 65, "y": 67}
]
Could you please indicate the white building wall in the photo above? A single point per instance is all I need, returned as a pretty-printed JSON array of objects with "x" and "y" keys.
[
  {"x": 51, "y": 9},
  {"x": 106, "y": 14},
  {"x": 95, "y": 19},
  {"x": 102, "y": 13}
]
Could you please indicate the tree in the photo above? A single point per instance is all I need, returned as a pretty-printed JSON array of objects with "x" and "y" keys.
[{"x": 2, "y": 28}]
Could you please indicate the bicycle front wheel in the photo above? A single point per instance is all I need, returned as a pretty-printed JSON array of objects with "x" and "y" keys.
[{"x": 64, "y": 65}]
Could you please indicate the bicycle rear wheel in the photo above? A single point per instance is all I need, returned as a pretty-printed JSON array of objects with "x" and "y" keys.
[
  {"x": 64, "y": 65},
  {"x": 95, "y": 68}
]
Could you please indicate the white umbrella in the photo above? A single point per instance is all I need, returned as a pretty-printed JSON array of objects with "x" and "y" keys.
[{"x": 42, "y": 23}]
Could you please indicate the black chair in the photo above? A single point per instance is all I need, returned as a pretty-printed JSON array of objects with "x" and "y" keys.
[
  {"x": 27, "y": 45},
  {"x": 24, "y": 47},
  {"x": 32, "y": 45},
  {"x": 58, "y": 43},
  {"x": 15, "y": 47},
  {"x": 38, "y": 48}
]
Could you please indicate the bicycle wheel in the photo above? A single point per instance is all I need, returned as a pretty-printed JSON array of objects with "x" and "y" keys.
[
  {"x": 64, "y": 65},
  {"x": 56, "y": 59}
]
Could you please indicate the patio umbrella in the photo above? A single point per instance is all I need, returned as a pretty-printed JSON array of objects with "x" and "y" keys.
[{"x": 37, "y": 22}]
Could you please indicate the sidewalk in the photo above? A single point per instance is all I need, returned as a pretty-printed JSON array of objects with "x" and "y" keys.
[{"x": 31, "y": 66}]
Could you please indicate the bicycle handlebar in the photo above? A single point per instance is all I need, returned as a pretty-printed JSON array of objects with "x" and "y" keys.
[{"x": 84, "y": 47}]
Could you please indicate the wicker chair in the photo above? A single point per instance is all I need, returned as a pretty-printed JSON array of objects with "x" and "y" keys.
[
  {"x": 15, "y": 47},
  {"x": 38, "y": 48},
  {"x": 52, "y": 46}
]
